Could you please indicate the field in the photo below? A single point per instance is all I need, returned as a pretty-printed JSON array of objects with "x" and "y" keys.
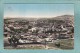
[{"x": 64, "y": 44}]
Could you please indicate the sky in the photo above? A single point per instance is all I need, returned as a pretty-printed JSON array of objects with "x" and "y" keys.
[{"x": 37, "y": 10}]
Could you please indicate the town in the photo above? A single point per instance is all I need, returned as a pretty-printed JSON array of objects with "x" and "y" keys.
[{"x": 44, "y": 32}]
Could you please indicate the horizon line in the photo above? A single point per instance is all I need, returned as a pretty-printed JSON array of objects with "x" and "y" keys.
[{"x": 37, "y": 17}]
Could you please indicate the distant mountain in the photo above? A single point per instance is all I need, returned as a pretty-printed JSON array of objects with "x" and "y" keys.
[
  {"x": 62, "y": 17},
  {"x": 19, "y": 19},
  {"x": 65, "y": 18}
]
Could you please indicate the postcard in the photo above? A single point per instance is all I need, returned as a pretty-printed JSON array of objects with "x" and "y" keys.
[{"x": 39, "y": 26}]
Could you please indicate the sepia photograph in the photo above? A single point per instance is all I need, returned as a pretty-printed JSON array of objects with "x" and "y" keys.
[{"x": 38, "y": 26}]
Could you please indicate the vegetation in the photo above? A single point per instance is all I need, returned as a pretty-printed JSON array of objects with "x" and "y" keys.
[{"x": 64, "y": 44}]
